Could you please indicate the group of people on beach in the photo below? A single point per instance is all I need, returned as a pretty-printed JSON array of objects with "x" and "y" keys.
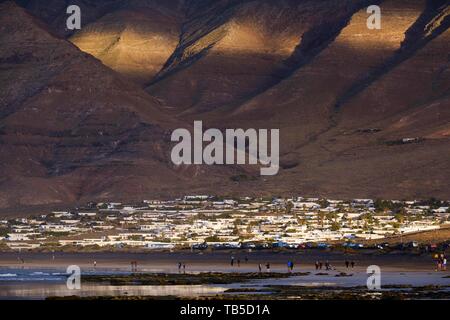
[
  {"x": 134, "y": 266},
  {"x": 319, "y": 265},
  {"x": 267, "y": 267},
  {"x": 233, "y": 260},
  {"x": 181, "y": 266},
  {"x": 441, "y": 262},
  {"x": 349, "y": 263}
]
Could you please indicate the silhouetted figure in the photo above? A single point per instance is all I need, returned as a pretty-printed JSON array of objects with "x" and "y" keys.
[
  {"x": 232, "y": 261},
  {"x": 268, "y": 267},
  {"x": 317, "y": 265},
  {"x": 260, "y": 268},
  {"x": 239, "y": 263},
  {"x": 290, "y": 266},
  {"x": 352, "y": 264},
  {"x": 320, "y": 265},
  {"x": 347, "y": 264}
]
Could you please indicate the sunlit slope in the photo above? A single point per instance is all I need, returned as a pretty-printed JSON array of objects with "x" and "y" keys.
[
  {"x": 71, "y": 128},
  {"x": 303, "y": 103},
  {"x": 416, "y": 85},
  {"x": 135, "y": 43},
  {"x": 230, "y": 52}
]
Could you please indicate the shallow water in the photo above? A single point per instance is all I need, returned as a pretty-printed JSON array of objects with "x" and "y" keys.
[
  {"x": 38, "y": 291},
  {"x": 39, "y": 283},
  {"x": 412, "y": 278}
]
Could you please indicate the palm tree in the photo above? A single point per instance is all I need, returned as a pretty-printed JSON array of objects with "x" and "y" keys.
[
  {"x": 320, "y": 218},
  {"x": 289, "y": 207}
]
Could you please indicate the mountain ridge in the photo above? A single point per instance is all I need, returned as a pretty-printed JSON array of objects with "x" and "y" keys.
[{"x": 343, "y": 96}]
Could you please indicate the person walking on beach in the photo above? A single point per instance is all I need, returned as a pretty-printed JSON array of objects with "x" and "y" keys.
[
  {"x": 232, "y": 261},
  {"x": 239, "y": 263},
  {"x": 320, "y": 265},
  {"x": 179, "y": 267},
  {"x": 268, "y": 267},
  {"x": 436, "y": 258},
  {"x": 246, "y": 259},
  {"x": 21, "y": 260},
  {"x": 95, "y": 264},
  {"x": 327, "y": 265},
  {"x": 353, "y": 264},
  {"x": 290, "y": 266},
  {"x": 442, "y": 262},
  {"x": 317, "y": 265},
  {"x": 347, "y": 264},
  {"x": 260, "y": 268},
  {"x": 184, "y": 268}
]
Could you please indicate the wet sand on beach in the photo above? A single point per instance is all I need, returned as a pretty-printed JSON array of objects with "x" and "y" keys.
[
  {"x": 42, "y": 274},
  {"x": 217, "y": 261}
]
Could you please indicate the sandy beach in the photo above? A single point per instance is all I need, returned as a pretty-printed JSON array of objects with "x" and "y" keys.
[
  {"x": 40, "y": 275},
  {"x": 218, "y": 261}
]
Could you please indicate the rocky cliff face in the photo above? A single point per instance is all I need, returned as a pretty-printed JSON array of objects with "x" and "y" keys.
[
  {"x": 136, "y": 43},
  {"x": 246, "y": 48},
  {"x": 88, "y": 114},
  {"x": 71, "y": 128}
]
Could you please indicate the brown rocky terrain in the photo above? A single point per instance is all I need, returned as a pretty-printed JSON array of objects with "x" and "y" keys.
[
  {"x": 92, "y": 119},
  {"x": 136, "y": 43},
  {"x": 66, "y": 139}
]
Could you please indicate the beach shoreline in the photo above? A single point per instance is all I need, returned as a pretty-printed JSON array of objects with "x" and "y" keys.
[
  {"x": 217, "y": 261},
  {"x": 210, "y": 275}
]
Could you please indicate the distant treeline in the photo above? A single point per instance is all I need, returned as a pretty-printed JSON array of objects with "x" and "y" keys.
[{"x": 383, "y": 205}]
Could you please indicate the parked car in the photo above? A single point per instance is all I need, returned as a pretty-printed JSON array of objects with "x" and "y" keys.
[{"x": 200, "y": 246}]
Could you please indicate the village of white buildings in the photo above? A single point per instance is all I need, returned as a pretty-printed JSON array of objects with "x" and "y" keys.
[{"x": 201, "y": 221}]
